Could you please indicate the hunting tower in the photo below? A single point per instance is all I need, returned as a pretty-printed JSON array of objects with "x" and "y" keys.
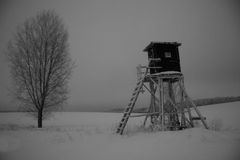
[{"x": 170, "y": 106}]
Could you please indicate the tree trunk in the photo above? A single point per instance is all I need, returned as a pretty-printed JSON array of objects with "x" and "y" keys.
[{"x": 40, "y": 119}]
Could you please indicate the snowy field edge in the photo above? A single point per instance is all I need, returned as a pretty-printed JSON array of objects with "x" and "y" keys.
[{"x": 82, "y": 135}]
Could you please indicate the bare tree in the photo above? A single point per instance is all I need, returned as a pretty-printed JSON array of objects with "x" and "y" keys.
[{"x": 40, "y": 63}]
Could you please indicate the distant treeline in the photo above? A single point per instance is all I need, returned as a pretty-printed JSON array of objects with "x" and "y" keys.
[
  {"x": 198, "y": 102},
  {"x": 216, "y": 100}
]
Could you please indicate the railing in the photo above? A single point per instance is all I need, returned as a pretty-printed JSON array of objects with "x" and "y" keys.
[
  {"x": 154, "y": 59},
  {"x": 142, "y": 69}
]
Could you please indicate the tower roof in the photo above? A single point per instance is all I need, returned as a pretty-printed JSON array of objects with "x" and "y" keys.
[{"x": 153, "y": 44}]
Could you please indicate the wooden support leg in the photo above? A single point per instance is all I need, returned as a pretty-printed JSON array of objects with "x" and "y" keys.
[
  {"x": 161, "y": 104},
  {"x": 150, "y": 110},
  {"x": 175, "y": 118},
  {"x": 195, "y": 108},
  {"x": 183, "y": 118},
  {"x": 185, "y": 102}
]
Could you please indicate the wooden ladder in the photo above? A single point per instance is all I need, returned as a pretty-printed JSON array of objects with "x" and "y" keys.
[{"x": 128, "y": 110}]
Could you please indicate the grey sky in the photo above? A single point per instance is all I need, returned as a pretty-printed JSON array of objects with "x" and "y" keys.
[{"x": 107, "y": 38}]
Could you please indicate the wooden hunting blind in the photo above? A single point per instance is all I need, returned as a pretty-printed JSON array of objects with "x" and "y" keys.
[
  {"x": 166, "y": 55},
  {"x": 170, "y": 106}
]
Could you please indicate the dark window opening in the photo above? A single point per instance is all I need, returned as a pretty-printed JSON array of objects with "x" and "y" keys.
[{"x": 168, "y": 54}]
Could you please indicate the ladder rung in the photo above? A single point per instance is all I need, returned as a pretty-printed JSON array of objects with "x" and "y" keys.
[
  {"x": 121, "y": 123},
  {"x": 139, "y": 82},
  {"x": 123, "y": 119},
  {"x": 136, "y": 88},
  {"x": 119, "y": 129},
  {"x": 126, "y": 110},
  {"x": 130, "y": 104},
  {"x": 125, "y": 115},
  {"x": 134, "y": 93},
  {"x": 132, "y": 98}
]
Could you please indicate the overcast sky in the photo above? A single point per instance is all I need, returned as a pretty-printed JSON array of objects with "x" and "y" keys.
[{"x": 107, "y": 38}]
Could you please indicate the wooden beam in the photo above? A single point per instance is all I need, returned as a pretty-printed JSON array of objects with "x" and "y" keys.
[
  {"x": 150, "y": 92},
  {"x": 149, "y": 67},
  {"x": 154, "y": 82},
  {"x": 154, "y": 59},
  {"x": 145, "y": 114}
]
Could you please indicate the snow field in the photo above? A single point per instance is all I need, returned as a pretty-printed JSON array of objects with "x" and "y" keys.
[{"x": 90, "y": 136}]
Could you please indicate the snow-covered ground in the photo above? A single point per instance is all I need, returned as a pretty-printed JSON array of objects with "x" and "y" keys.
[{"x": 90, "y": 136}]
